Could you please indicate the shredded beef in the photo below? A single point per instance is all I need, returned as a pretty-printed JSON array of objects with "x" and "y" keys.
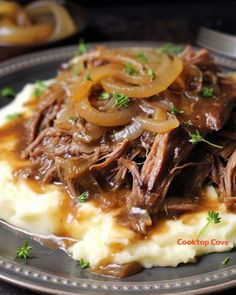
[{"x": 153, "y": 168}]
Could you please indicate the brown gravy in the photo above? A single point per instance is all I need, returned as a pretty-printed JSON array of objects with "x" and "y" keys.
[
  {"x": 114, "y": 270},
  {"x": 14, "y": 132}
]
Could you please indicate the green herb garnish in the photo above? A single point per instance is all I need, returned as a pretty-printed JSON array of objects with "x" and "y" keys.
[
  {"x": 88, "y": 77},
  {"x": 24, "y": 251},
  {"x": 83, "y": 264},
  {"x": 7, "y": 91},
  {"x": 168, "y": 48},
  {"x": 104, "y": 95},
  {"x": 13, "y": 116},
  {"x": 196, "y": 138},
  {"x": 212, "y": 218},
  {"x": 207, "y": 92},
  {"x": 226, "y": 260},
  {"x": 82, "y": 48},
  {"x": 40, "y": 86},
  {"x": 151, "y": 74},
  {"x": 129, "y": 69},
  {"x": 175, "y": 111},
  {"x": 83, "y": 197},
  {"x": 142, "y": 57},
  {"x": 121, "y": 100}
]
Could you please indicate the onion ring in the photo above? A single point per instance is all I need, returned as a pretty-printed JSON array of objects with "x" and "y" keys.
[
  {"x": 157, "y": 126},
  {"x": 106, "y": 119},
  {"x": 167, "y": 72},
  {"x": 64, "y": 25}
]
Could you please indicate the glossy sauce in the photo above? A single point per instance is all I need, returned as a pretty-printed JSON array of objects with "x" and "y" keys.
[
  {"x": 14, "y": 131},
  {"x": 13, "y": 142},
  {"x": 114, "y": 270},
  {"x": 204, "y": 205}
]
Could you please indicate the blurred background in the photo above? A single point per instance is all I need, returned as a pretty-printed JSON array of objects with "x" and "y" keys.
[
  {"x": 172, "y": 21},
  {"x": 176, "y": 21}
]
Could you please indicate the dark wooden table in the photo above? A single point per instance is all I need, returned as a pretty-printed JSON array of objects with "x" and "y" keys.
[{"x": 152, "y": 21}]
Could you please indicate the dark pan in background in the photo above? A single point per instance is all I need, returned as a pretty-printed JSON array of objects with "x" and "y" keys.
[{"x": 78, "y": 14}]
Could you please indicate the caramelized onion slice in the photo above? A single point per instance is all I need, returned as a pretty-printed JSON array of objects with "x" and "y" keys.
[
  {"x": 25, "y": 35},
  {"x": 94, "y": 131},
  {"x": 64, "y": 24},
  {"x": 83, "y": 86},
  {"x": 23, "y": 19},
  {"x": 72, "y": 168},
  {"x": 109, "y": 119},
  {"x": 160, "y": 114},
  {"x": 118, "y": 56},
  {"x": 132, "y": 56},
  {"x": 9, "y": 8},
  {"x": 166, "y": 73},
  {"x": 157, "y": 126},
  {"x": 129, "y": 132},
  {"x": 113, "y": 79}
]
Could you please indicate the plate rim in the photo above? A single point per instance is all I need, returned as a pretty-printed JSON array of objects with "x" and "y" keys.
[
  {"x": 10, "y": 269},
  {"x": 28, "y": 272}
]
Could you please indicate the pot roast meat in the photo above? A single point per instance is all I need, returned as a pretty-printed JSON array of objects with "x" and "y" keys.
[
  {"x": 117, "y": 152},
  {"x": 136, "y": 193},
  {"x": 153, "y": 168},
  {"x": 230, "y": 175},
  {"x": 206, "y": 114},
  {"x": 200, "y": 57},
  {"x": 224, "y": 175},
  {"x": 177, "y": 205},
  {"x": 196, "y": 170},
  {"x": 223, "y": 172},
  {"x": 46, "y": 112},
  {"x": 168, "y": 150}
]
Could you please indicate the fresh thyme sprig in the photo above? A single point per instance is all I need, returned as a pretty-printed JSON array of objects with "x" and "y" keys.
[
  {"x": 13, "y": 116},
  {"x": 83, "y": 197},
  {"x": 82, "y": 48},
  {"x": 207, "y": 92},
  {"x": 226, "y": 260},
  {"x": 40, "y": 86},
  {"x": 151, "y": 74},
  {"x": 175, "y": 111},
  {"x": 168, "y": 48},
  {"x": 7, "y": 91},
  {"x": 84, "y": 264},
  {"x": 104, "y": 95},
  {"x": 88, "y": 77},
  {"x": 212, "y": 218},
  {"x": 129, "y": 69},
  {"x": 142, "y": 57},
  {"x": 24, "y": 251},
  {"x": 121, "y": 100},
  {"x": 196, "y": 138}
]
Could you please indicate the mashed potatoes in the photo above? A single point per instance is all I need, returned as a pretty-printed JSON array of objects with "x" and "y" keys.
[{"x": 97, "y": 234}]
